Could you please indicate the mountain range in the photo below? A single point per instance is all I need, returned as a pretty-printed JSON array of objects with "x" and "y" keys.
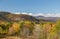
[
  {"x": 7, "y": 16},
  {"x": 47, "y": 18}
]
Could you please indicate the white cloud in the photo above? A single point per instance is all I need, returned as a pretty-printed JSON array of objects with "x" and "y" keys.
[
  {"x": 27, "y": 13},
  {"x": 49, "y": 14},
  {"x": 42, "y": 14},
  {"x": 17, "y": 13},
  {"x": 23, "y": 13}
]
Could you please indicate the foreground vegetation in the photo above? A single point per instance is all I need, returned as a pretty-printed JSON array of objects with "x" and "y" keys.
[{"x": 24, "y": 29}]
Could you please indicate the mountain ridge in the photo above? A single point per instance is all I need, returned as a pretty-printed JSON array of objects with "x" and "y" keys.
[
  {"x": 16, "y": 17},
  {"x": 47, "y": 18}
]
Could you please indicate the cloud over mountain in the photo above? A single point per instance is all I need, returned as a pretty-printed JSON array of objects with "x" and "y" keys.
[
  {"x": 42, "y": 14},
  {"x": 24, "y": 13},
  {"x": 49, "y": 14}
]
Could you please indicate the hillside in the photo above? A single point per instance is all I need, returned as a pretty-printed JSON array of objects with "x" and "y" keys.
[
  {"x": 14, "y": 26},
  {"x": 6, "y": 16},
  {"x": 52, "y": 19},
  {"x": 3, "y": 16}
]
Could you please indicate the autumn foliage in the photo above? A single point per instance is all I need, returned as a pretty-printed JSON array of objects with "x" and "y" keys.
[{"x": 48, "y": 30}]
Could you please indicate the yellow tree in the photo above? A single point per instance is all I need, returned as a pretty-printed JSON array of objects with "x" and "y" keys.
[
  {"x": 27, "y": 26},
  {"x": 48, "y": 30},
  {"x": 16, "y": 27}
]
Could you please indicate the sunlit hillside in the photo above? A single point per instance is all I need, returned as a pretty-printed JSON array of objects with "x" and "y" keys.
[{"x": 22, "y": 26}]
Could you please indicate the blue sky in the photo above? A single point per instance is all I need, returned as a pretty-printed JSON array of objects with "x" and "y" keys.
[{"x": 30, "y": 6}]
